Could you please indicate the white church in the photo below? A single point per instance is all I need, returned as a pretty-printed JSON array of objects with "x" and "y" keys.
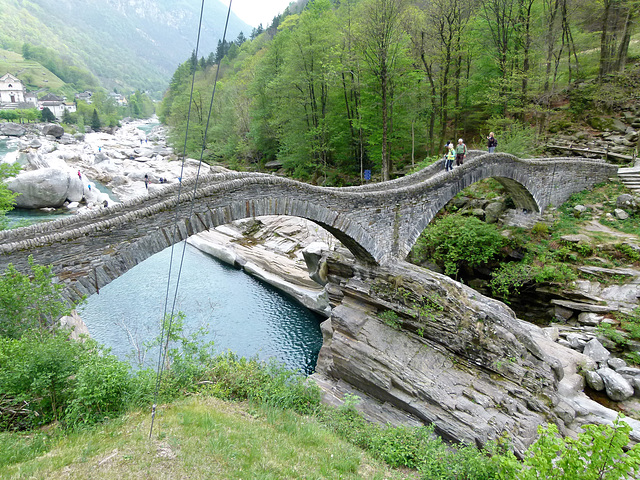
[{"x": 13, "y": 94}]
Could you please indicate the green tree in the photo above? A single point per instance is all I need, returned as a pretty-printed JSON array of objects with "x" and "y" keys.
[
  {"x": 68, "y": 117},
  {"x": 455, "y": 241},
  {"x": 381, "y": 42},
  {"x": 95, "y": 121},
  {"x": 47, "y": 116},
  {"x": 31, "y": 301}
]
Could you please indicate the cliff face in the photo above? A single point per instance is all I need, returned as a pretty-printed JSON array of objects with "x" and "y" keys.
[{"x": 434, "y": 348}]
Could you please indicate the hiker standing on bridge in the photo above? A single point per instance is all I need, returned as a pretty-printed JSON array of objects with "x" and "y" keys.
[
  {"x": 461, "y": 152},
  {"x": 492, "y": 143},
  {"x": 449, "y": 157},
  {"x": 445, "y": 153}
]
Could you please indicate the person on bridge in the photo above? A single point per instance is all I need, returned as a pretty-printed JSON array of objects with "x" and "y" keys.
[
  {"x": 461, "y": 152},
  {"x": 492, "y": 143},
  {"x": 449, "y": 157},
  {"x": 446, "y": 151}
]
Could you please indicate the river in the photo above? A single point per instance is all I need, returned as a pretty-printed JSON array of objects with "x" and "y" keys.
[{"x": 240, "y": 313}]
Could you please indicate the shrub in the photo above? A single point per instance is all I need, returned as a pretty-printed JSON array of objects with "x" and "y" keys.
[
  {"x": 455, "y": 241},
  {"x": 238, "y": 378},
  {"x": 597, "y": 453},
  {"x": 390, "y": 318},
  {"x": 54, "y": 378}
]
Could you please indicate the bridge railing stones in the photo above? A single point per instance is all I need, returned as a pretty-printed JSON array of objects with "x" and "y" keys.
[{"x": 378, "y": 223}]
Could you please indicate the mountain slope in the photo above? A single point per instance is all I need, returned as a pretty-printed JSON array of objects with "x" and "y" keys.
[{"x": 125, "y": 43}]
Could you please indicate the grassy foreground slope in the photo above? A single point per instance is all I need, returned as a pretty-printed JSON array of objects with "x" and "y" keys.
[{"x": 199, "y": 437}]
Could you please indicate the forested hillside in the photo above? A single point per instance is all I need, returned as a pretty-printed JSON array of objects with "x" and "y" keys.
[
  {"x": 337, "y": 87},
  {"x": 134, "y": 44}
]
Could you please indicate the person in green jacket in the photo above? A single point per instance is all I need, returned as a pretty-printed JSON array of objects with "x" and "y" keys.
[
  {"x": 461, "y": 152},
  {"x": 449, "y": 157}
]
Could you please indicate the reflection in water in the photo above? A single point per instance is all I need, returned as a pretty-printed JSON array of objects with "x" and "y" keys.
[{"x": 241, "y": 313}]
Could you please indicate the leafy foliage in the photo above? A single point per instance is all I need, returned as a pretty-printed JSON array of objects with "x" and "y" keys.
[
  {"x": 29, "y": 302},
  {"x": 53, "y": 378},
  {"x": 7, "y": 197},
  {"x": 597, "y": 453},
  {"x": 47, "y": 116},
  {"x": 456, "y": 241}
]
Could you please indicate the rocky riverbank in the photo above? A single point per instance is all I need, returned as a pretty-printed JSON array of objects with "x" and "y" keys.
[{"x": 61, "y": 170}]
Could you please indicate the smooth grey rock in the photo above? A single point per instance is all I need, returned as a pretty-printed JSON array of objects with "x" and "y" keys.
[
  {"x": 626, "y": 201},
  {"x": 312, "y": 254},
  {"x": 594, "y": 350},
  {"x": 563, "y": 314},
  {"x": 634, "y": 372},
  {"x": 616, "y": 387},
  {"x": 589, "y": 318},
  {"x": 620, "y": 214},
  {"x": 616, "y": 363},
  {"x": 66, "y": 139},
  {"x": 54, "y": 130},
  {"x": 48, "y": 187},
  {"x": 594, "y": 380},
  {"x": 579, "y": 238},
  {"x": 12, "y": 129},
  {"x": 576, "y": 341},
  {"x": 580, "y": 208},
  {"x": 493, "y": 212},
  {"x": 583, "y": 307}
]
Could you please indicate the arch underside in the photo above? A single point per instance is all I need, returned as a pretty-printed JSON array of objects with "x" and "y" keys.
[
  {"x": 521, "y": 196},
  {"x": 132, "y": 252}
]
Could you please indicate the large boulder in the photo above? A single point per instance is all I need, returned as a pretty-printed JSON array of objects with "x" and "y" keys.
[
  {"x": 12, "y": 129},
  {"x": 53, "y": 130},
  {"x": 615, "y": 385},
  {"x": 47, "y": 187}
]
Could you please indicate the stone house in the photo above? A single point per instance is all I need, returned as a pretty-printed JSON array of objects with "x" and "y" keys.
[{"x": 56, "y": 104}]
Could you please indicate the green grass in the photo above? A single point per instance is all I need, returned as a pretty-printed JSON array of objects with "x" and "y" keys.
[
  {"x": 31, "y": 73},
  {"x": 199, "y": 437}
]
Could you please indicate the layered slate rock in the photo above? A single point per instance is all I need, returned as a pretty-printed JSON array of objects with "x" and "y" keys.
[{"x": 447, "y": 355}]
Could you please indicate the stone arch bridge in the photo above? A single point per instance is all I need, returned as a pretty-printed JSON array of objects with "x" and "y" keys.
[{"x": 379, "y": 222}]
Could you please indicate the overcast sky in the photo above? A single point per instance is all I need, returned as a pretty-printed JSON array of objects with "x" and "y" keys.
[{"x": 255, "y": 12}]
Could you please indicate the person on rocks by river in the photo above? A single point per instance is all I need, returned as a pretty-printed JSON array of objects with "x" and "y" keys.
[{"x": 461, "y": 152}]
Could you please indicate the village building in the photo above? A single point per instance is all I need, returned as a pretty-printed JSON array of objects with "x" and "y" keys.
[
  {"x": 57, "y": 105},
  {"x": 85, "y": 96},
  {"x": 13, "y": 94},
  {"x": 121, "y": 100}
]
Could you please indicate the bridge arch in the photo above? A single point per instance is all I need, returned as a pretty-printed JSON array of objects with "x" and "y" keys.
[{"x": 520, "y": 178}]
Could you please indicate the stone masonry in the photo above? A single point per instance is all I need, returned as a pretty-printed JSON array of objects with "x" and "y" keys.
[{"x": 378, "y": 223}]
